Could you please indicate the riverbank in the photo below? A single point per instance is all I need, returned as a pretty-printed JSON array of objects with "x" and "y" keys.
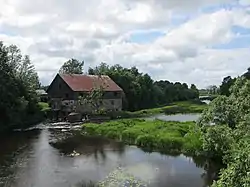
[
  {"x": 157, "y": 135},
  {"x": 183, "y": 107},
  {"x": 38, "y": 115}
]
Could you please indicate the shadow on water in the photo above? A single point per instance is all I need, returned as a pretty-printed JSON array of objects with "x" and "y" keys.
[
  {"x": 13, "y": 146},
  {"x": 88, "y": 146},
  {"x": 42, "y": 158}
]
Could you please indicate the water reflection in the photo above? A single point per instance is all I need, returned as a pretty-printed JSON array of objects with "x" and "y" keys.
[
  {"x": 12, "y": 150},
  {"x": 176, "y": 117},
  {"x": 88, "y": 146},
  {"x": 33, "y": 158}
]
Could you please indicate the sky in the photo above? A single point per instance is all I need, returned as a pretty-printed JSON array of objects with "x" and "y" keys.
[{"x": 192, "y": 41}]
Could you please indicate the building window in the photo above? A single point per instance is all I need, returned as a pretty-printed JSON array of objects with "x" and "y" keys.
[
  {"x": 66, "y": 95},
  {"x": 60, "y": 86},
  {"x": 112, "y": 102}
]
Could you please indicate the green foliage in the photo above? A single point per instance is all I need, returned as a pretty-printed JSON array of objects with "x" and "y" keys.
[
  {"x": 237, "y": 173},
  {"x": 173, "y": 108},
  {"x": 93, "y": 99},
  {"x": 141, "y": 91},
  {"x": 229, "y": 138},
  {"x": 44, "y": 106},
  {"x": 72, "y": 66},
  {"x": 18, "y": 81},
  {"x": 217, "y": 140},
  {"x": 159, "y": 135},
  {"x": 226, "y": 85}
]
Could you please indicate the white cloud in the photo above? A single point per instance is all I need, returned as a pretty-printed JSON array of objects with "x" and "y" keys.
[
  {"x": 244, "y": 2},
  {"x": 51, "y": 31}
]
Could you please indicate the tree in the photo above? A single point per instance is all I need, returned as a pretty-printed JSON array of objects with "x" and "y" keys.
[
  {"x": 18, "y": 81},
  {"x": 226, "y": 85},
  {"x": 212, "y": 89},
  {"x": 229, "y": 138},
  {"x": 195, "y": 90},
  {"x": 93, "y": 99},
  {"x": 72, "y": 66},
  {"x": 247, "y": 74},
  {"x": 27, "y": 73}
]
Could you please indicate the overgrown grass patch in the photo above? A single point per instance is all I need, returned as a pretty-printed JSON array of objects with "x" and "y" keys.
[{"x": 181, "y": 137}]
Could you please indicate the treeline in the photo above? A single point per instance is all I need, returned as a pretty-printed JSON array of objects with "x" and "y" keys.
[
  {"x": 18, "y": 82},
  {"x": 141, "y": 90}
]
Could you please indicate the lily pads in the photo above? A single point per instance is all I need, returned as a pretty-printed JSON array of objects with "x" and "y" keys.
[{"x": 121, "y": 178}]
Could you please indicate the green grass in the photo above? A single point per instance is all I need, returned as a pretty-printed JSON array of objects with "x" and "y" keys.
[
  {"x": 173, "y": 108},
  {"x": 44, "y": 106},
  {"x": 157, "y": 135}
]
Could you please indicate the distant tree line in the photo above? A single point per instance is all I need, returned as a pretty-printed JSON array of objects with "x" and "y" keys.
[
  {"x": 18, "y": 82},
  {"x": 141, "y": 91}
]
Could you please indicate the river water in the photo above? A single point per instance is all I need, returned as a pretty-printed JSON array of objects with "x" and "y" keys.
[
  {"x": 176, "y": 117},
  {"x": 29, "y": 159}
]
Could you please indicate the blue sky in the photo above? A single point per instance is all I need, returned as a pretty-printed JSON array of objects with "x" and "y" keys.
[{"x": 242, "y": 40}]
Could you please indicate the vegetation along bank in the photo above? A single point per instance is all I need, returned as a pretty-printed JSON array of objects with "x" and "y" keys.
[
  {"x": 183, "y": 107},
  {"x": 170, "y": 137}
]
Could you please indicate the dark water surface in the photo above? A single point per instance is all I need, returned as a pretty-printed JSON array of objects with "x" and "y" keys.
[{"x": 29, "y": 159}]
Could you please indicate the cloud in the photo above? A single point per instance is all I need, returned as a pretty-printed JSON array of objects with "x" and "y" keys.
[{"x": 52, "y": 31}]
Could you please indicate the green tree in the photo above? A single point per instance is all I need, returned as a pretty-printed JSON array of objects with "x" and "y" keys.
[
  {"x": 229, "y": 138},
  {"x": 72, "y": 66},
  {"x": 94, "y": 98},
  {"x": 18, "y": 81},
  {"x": 226, "y": 85}
]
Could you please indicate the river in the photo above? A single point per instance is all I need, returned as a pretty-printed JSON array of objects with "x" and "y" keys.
[{"x": 29, "y": 159}]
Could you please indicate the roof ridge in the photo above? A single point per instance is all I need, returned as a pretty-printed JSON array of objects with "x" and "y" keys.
[{"x": 83, "y": 82}]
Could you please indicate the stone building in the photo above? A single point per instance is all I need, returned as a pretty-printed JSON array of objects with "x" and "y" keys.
[{"x": 66, "y": 90}]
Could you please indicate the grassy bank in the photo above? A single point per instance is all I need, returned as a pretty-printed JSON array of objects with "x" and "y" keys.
[
  {"x": 44, "y": 106},
  {"x": 173, "y": 108},
  {"x": 157, "y": 135}
]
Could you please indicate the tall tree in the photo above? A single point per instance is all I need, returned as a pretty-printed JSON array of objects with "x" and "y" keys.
[
  {"x": 226, "y": 85},
  {"x": 72, "y": 66},
  {"x": 18, "y": 81}
]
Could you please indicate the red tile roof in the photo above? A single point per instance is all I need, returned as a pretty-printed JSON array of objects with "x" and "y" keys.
[{"x": 83, "y": 83}]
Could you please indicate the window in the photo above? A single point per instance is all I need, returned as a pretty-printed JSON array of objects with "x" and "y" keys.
[
  {"x": 67, "y": 95},
  {"x": 60, "y": 86},
  {"x": 112, "y": 102}
]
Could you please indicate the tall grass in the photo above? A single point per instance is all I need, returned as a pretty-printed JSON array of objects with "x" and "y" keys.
[{"x": 169, "y": 137}]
